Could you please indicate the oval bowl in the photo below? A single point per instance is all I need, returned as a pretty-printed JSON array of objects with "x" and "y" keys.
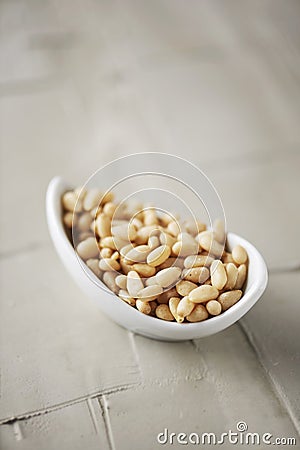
[{"x": 129, "y": 317}]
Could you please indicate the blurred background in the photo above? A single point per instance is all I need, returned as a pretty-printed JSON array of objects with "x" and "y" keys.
[{"x": 84, "y": 82}]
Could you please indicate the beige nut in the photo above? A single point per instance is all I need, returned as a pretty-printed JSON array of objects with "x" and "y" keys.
[
  {"x": 184, "y": 287},
  {"x": 207, "y": 241},
  {"x": 134, "y": 283},
  {"x": 239, "y": 254},
  {"x": 144, "y": 270},
  {"x": 185, "y": 307},
  {"x": 232, "y": 274},
  {"x": 158, "y": 255},
  {"x": 88, "y": 249},
  {"x": 163, "y": 312},
  {"x": 109, "y": 264},
  {"x": 203, "y": 293},
  {"x": 93, "y": 264},
  {"x": 103, "y": 225},
  {"x": 241, "y": 276},
  {"x": 167, "y": 277},
  {"x": 150, "y": 293},
  {"x": 198, "y": 314},
  {"x": 92, "y": 199},
  {"x": 143, "y": 307},
  {"x": 196, "y": 275},
  {"x": 109, "y": 279},
  {"x": 214, "y": 307},
  {"x": 173, "y": 304},
  {"x": 197, "y": 261},
  {"x": 228, "y": 299},
  {"x": 218, "y": 274}
]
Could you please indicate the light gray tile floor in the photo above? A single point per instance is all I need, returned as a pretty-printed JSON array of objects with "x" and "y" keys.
[{"x": 84, "y": 82}]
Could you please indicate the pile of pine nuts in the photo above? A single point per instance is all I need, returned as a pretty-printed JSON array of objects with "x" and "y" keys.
[{"x": 165, "y": 269}]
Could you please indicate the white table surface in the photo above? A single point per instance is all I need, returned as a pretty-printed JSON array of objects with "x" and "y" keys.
[{"x": 81, "y": 83}]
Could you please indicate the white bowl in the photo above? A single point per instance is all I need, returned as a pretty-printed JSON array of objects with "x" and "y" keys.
[{"x": 129, "y": 317}]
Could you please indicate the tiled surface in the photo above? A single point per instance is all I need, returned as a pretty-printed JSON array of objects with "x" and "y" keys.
[
  {"x": 82, "y": 83},
  {"x": 273, "y": 328}
]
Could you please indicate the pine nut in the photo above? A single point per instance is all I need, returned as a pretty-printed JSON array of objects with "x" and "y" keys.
[
  {"x": 239, "y": 254},
  {"x": 153, "y": 242},
  {"x": 88, "y": 249},
  {"x": 218, "y": 274},
  {"x": 106, "y": 252},
  {"x": 151, "y": 281},
  {"x": 219, "y": 231},
  {"x": 121, "y": 281},
  {"x": 109, "y": 280},
  {"x": 143, "y": 307},
  {"x": 93, "y": 264},
  {"x": 124, "y": 250},
  {"x": 134, "y": 283},
  {"x": 158, "y": 255},
  {"x": 173, "y": 228},
  {"x": 232, "y": 274},
  {"x": 103, "y": 226},
  {"x": 241, "y": 276},
  {"x": 138, "y": 254},
  {"x": 203, "y": 293},
  {"x": 68, "y": 219},
  {"x": 92, "y": 199},
  {"x": 84, "y": 222},
  {"x": 196, "y": 275},
  {"x": 109, "y": 209},
  {"x": 209, "y": 243},
  {"x": 198, "y": 314},
  {"x": 150, "y": 217},
  {"x": 167, "y": 277},
  {"x": 173, "y": 304},
  {"x": 150, "y": 293},
  {"x": 166, "y": 239},
  {"x": 214, "y": 307},
  {"x": 71, "y": 202},
  {"x": 185, "y": 287},
  {"x": 144, "y": 270},
  {"x": 108, "y": 242},
  {"x": 163, "y": 312},
  {"x": 185, "y": 307},
  {"x": 228, "y": 299},
  {"x": 189, "y": 245},
  {"x": 197, "y": 261},
  {"x": 109, "y": 264}
]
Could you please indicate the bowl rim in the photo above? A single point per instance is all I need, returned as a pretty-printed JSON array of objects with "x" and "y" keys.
[{"x": 53, "y": 211}]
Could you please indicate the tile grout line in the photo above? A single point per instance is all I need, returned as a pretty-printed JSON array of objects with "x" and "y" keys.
[
  {"x": 29, "y": 415},
  {"x": 18, "y": 431},
  {"x": 91, "y": 408},
  {"x": 276, "y": 387},
  {"x": 107, "y": 423}
]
